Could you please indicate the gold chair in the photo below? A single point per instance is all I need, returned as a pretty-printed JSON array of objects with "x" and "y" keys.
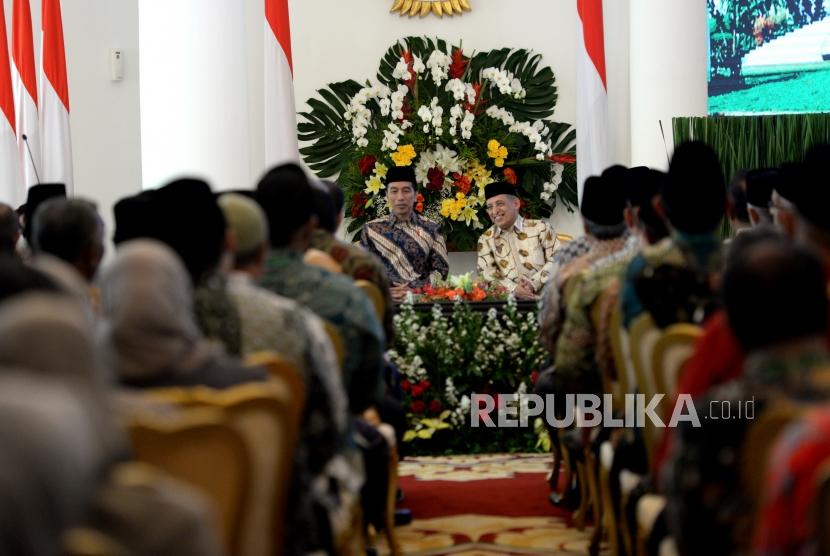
[
  {"x": 278, "y": 368},
  {"x": 267, "y": 416},
  {"x": 643, "y": 335},
  {"x": 375, "y": 296},
  {"x": 84, "y": 541},
  {"x": 564, "y": 238},
  {"x": 336, "y": 342},
  {"x": 671, "y": 351},
  {"x": 621, "y": 348},
  {"x": 196, "y": 446}
]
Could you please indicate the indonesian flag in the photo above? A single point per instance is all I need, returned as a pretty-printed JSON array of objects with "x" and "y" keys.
[
  {"x": 592, "y": 155},
  {"x": 54, "y": 106},
  {"x": 12, "y": 191},
  {"x": 280, "y": 118},
  {"x": 24, "y": 85}
]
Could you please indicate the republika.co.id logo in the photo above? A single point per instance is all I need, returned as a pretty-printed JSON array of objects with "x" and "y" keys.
[{"x": 590, "y": 410}]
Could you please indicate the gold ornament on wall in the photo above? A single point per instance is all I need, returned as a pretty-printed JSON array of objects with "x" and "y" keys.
[{"x": 424, "y": 7}]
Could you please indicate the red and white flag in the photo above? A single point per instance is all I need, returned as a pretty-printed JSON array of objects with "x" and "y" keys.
[
  {"x": 592, "y": 154},
  {"x": 54, "y": 100},
  {"x": 24, "y": 85},
  {"x": 280, "y": 112},
  {"x": 12, "y": 191}
]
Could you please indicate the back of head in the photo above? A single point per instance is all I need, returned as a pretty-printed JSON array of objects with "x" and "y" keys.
[
  {"x": 774, "y": 293},
  {"x": 642, "y": 186},
  {"x": 287, "y": 199},
  {"x": 190, "y": 221},
  {"x": 134, "y": 218},
  {"x": 9, "y": 229},
  {"x": 49, "y": 464},
  {"x": 67, "y": 229},
  {"x": 324, "y": 207},
  {"x": 49, "y": 334},
  {"x": 37, "y": 195},
  {"x": 759, "y": 187},
  {"x": 694, "y": 193},
  {"x": 147, "y": 298},
  {"x": 247, "y": 220},
  {"x": 603, "y": 203},
  {"x": 791, "y": 181},
  {"x": 814, "y": 197},
  {"x": 336, "y": 194}
]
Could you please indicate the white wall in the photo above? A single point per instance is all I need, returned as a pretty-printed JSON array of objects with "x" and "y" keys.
[{"x": 104, "y": 115}]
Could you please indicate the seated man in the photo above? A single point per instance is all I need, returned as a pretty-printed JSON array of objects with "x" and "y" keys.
[
  {"x": 515, "y": 252},
  {"x": 412, "y": 248}
]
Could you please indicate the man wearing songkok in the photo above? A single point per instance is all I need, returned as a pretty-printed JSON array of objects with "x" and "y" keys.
[
  {"x": 515, "y": 251},
  {"x": 671, "y": 279},
  {"x": 411, "y": 248},
  {"x": 271, "y": 322},
  {"x": 785, "y": 196},
  {"x": 36, "y": 195},
  {"x": 759, "y": 186}
]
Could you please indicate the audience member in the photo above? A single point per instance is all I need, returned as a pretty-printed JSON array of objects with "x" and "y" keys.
[
  {"x": 759, "y": 187},
  {"x": 151, "y": 331},
  {"x": 736, "y": 204},
  {"x": 9, "y": 230}
]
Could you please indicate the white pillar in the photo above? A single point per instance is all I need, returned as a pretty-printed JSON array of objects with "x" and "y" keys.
[
  {"x": 194, "y": 92},
  {"x": 668, "y": 72}
]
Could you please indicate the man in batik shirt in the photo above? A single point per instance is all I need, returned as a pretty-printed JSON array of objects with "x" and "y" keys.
[
  {"x": 411, "y": 248},
  {"x": 514, "y": 251}
]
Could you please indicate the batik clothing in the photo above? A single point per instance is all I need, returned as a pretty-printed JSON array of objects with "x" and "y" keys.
[
  {"x": 414, "y": 252},
  {"x": 699, "y": 255},
  {"x": 570, "y": 250},
  {"x": 525, "y": 250},
  {"x": 710, "y": 507},
  {"x": 276, "y": 323},
  {"x": 576, "y": 348},
  {"x": 793, "y": 473},
  {"x": 359, "y": 264},
  {"x": 216, "y": 315},
  {"x": 335, "y": 298}
]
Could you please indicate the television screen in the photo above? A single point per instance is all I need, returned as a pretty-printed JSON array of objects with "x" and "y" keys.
[{"x": 769, "y": 56}]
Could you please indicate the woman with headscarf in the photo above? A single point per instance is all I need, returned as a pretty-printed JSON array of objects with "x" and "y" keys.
[{"x": 151, "y": 332}]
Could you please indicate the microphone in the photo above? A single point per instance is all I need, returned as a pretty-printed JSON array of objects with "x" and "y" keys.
[
  {"x": 665, "y": 145},
  {"x": 28, "y": 148}
]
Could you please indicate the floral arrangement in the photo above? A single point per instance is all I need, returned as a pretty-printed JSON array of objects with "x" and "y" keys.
[
  {"x": 444, "y": 358},
  {"x": 461, "y": 121},
  {"x": 463, "y": 287}
]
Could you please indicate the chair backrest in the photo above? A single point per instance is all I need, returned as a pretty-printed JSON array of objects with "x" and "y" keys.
[
  {"x": 610, "y": 383},
  {"x": 375, "y": 296},
  {"x": 671, "y": 351},
  {"x": 758, "y": 443},
  {"x": 336, "y": 342},
  {"x": 267, "y": 416},
  {"x": 279, "y": 368},
  {"x": 622, "y": 352},
  {"x": 84, "y": 541},
  {"x": 197, "y": 446},
  {"x": 643, "y": 334}
]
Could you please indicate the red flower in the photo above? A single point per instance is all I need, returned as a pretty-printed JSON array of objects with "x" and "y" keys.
[
  {"x": 458, "y": 65},
  {"x": 510, "y": 176},
  {"x": 417, "y": 391},
  {"x": 435, "y": 179},
  {"x": 358, "y": 203},
  {"x": 563, "y": 158},
  {"x": 405, "y": 385},
  {"x": 410, "y": 63},
  {"x": 462, "y": 183},
  {"x": 418, "y": 407},
  {"x": 472, "y": 107},
  {"x": 534, "y": 376},
  {"x": 419, "y": 207},
  {"x": 435, "y": 406},
  {"x": 367, "y": 164},
  {"x": 425, "y": 384}
]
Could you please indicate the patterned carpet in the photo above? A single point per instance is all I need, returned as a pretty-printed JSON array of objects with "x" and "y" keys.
[{"x": 483, "y": 505}]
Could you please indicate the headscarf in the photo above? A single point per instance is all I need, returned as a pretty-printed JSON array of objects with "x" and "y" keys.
[
  {"x": 147, "y": 299},
  {"x": 51, "y": 335},
  {"x": 49, "y": 464}
]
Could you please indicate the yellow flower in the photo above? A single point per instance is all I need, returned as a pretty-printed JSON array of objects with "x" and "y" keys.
[
  {"x": 497, "y": 151},
  {"x": 404, "y": 155},
  {"x": 446, "y": 206},
  {"x": 492, "y": 145},
  {"x": 502, "y": 152},
  {"x": 499, "y": 162},
  {"x": 460, "y": 196},
  {"x": 373, "y": 185},
  {"x": 480, "y": 175},
  {"x": 468, "y": 215},
  {"x": 380, "y": 170}
]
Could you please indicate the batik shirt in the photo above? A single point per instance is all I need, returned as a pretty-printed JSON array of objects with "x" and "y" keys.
[
  {"x": 413, "y": 252},
  {"x": 335, "y": 298},
  {"x": 524, "y": 250}
]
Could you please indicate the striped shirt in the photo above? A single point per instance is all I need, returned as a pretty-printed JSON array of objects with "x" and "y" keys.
[{"x": 413, "y": 252}]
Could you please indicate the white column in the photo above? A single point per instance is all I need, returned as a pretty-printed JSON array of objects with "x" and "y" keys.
[
  {"x": 668, "y": 72},
  {"x": 194, "y": 92}
]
